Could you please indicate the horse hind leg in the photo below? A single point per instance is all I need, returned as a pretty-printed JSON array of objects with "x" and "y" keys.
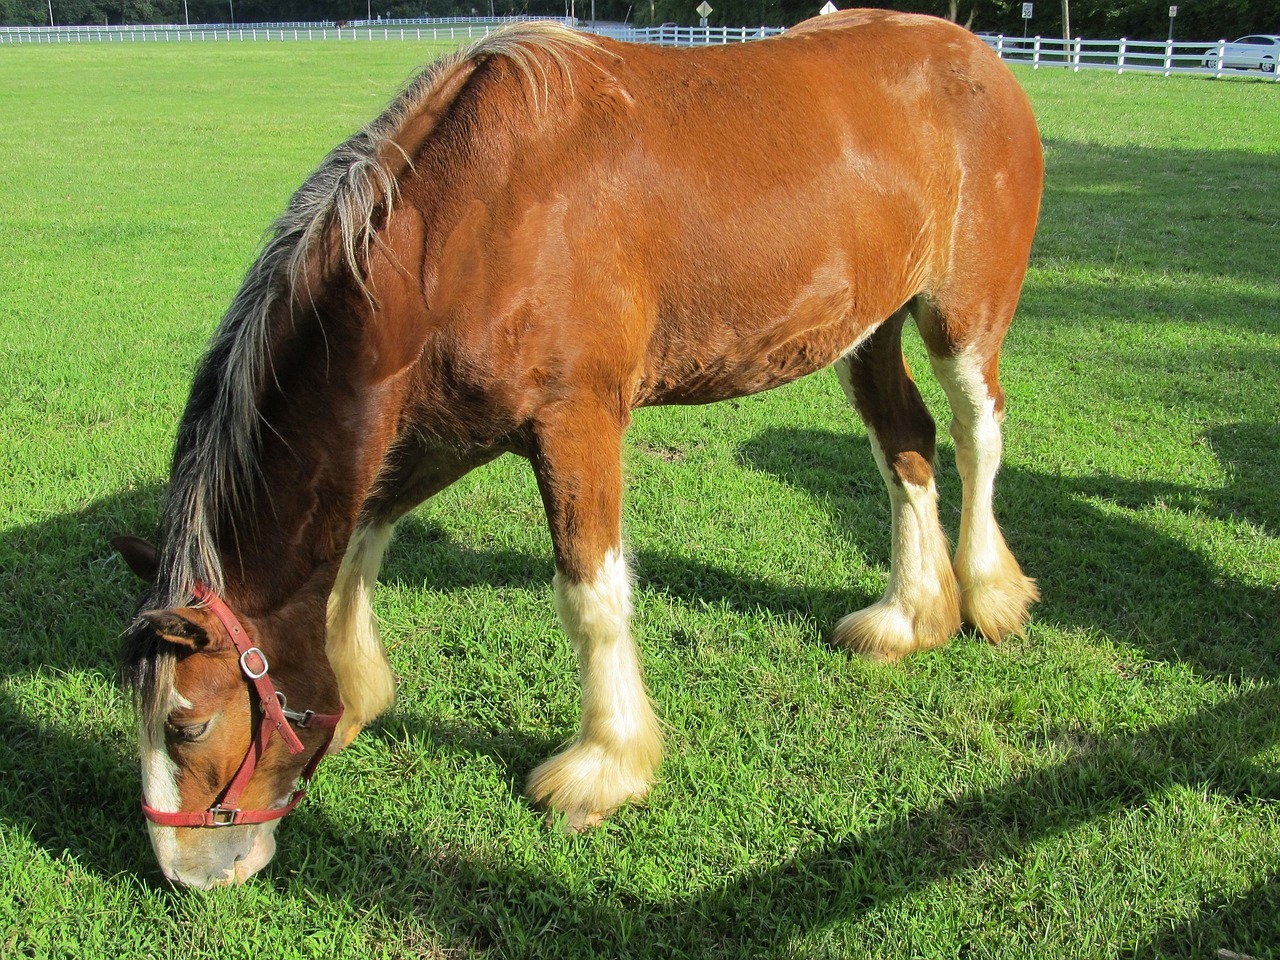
[
  {"x": 618, "y": 747},
  {"x": 995, "y": 595},
  {"x": 920, "y": 607}
]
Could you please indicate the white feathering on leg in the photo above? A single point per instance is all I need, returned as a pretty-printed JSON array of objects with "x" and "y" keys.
[
  {"x": 995, "y": 595},
  {"x": 619, "y": 745},
  {"x": 354, "y": 648}
]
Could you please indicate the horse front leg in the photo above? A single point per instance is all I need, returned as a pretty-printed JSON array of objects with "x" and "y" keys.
[
  {"x": 413, "y": 471},
  {"x": 616, "y": 753},
  {"x": 353, "y": 645}
]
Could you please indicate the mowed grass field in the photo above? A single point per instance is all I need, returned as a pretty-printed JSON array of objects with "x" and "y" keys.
[{"x": 1108, "y": 786}]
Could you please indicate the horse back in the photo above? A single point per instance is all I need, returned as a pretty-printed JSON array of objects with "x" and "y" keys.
[{"x": 654, "y": 225}]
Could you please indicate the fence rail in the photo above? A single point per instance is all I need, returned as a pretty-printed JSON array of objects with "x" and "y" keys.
[
  {"x": 421, "y": 29},
  {"x": 1139, "y": 56},
  {"x": 1166, "y": 57},
  {"x": 206, "y": 33}
]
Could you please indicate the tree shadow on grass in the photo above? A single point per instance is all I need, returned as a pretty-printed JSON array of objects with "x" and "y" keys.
[
  {"x": 1248, "y": 924},
  {"x": 1108, "y": 208},
  {"x": 85, "y": 805},
  {"x": 839, "y": 879}
]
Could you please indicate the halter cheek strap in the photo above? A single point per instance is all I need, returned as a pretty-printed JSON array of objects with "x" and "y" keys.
[{"x": 276, "y": 717}]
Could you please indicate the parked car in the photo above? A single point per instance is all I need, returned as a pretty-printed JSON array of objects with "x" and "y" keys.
[{"x": 1259, "y": 51}]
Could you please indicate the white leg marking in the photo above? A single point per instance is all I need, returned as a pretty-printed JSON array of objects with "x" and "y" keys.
[
  {"x": 994, "y": 593},
  {"x": 354, "y": 648},
  {"x": 920, "y": 607},
  {"x": 619, "y": 745}
]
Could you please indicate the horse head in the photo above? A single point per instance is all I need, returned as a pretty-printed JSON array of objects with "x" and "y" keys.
[{"x": 225, "y": 751}]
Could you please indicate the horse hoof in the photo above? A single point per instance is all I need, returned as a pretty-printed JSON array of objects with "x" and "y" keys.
[
  {"x": 887, "y": 631},
  {"x": 1000, "y": 608},
  {"x": 581, "y": 786}
]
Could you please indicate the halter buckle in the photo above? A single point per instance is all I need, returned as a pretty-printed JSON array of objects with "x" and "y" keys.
[
  {"x": 222, "y": 816},
  {"x": 244, "y": 663}
]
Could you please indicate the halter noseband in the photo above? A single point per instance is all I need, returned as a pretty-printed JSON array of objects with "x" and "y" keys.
[{"x": 276, "y": 717}]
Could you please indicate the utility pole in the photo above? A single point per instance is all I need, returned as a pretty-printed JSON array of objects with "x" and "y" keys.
[{"x": 1066, "y": 19}]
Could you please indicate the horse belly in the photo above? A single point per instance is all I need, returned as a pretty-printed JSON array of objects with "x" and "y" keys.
[
  {"x": 761, "y": 315},
  {"x": 751, "y": 357}
]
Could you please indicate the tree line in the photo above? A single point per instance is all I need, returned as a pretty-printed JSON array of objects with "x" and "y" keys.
[{"x": 1204, "y": 20}]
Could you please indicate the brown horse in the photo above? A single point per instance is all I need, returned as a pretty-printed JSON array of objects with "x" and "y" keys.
[{"x": 537, "y": 236}]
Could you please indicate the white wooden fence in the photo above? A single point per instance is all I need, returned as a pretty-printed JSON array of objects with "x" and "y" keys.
[
  {"x": 1166, "y": 57},
  {"x": 434, "y": 29},
  {"x": 1138, "y": 56},
  {"x": 209, "y": 33}
]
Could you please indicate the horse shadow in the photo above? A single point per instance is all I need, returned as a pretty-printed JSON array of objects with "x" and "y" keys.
[
  {"x": 1096, "y": 570},
  {"x": 72, "y": 786}
]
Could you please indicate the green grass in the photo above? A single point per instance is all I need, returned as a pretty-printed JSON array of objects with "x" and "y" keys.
[{"x": 1106, "y": 787}]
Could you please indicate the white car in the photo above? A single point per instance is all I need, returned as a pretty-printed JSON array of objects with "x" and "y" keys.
[{"x": 1258, "y": 51}]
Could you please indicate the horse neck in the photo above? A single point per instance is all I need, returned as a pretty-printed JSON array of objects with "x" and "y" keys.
[{"x": 321, "y": 438}]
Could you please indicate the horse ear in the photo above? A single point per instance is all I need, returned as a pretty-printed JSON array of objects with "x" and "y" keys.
[
  {"x": 182, "y": 627},
  {"x": 142, "y": 558}
]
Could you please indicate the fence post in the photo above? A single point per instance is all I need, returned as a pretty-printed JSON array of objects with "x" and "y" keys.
[
  {"x": 1036, "y": 56},
  {"x": 1124, "y": 42}
]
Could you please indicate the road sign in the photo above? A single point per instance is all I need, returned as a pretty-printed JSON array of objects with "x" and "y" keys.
[
  {"x": 1026, "y": 10},
  {"x": 704, "y": 9},
  {"x": 828, "y": 7}
]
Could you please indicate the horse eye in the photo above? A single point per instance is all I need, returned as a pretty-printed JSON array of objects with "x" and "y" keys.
[{"x": 186, "y": 732}]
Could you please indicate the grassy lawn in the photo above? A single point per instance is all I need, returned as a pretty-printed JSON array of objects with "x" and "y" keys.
[{"x": 1107, "y": 786}]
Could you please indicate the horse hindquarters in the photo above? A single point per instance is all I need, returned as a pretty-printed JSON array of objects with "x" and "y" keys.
[{"x": 962, "y": 308}]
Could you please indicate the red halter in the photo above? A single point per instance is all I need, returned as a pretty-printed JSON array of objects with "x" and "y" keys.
[{"x": 275, "y": 719}]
